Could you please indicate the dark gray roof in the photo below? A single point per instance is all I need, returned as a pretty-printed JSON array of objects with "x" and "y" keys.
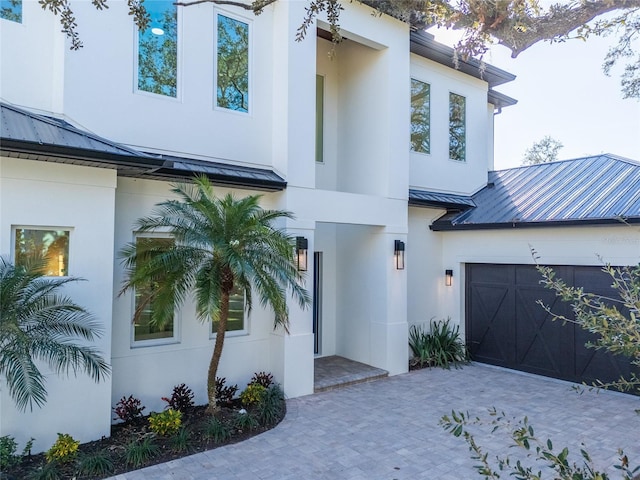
[
  {"x": 24, "y": 134},
  {"x": 424, "y": 44},
  {"x": 594, "y": 190},
  {"x": 425, "y": 198}
]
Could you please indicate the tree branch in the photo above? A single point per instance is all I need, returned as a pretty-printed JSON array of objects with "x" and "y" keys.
[{"x": 256, "y": 6}]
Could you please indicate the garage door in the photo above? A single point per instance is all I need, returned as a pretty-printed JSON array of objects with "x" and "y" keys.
[{"x": 505, "y": 326}]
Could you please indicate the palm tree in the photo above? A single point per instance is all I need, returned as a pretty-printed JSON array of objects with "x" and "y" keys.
[
  {"x": 221, "y": 244},
  {"x": 39, "y": 324}
]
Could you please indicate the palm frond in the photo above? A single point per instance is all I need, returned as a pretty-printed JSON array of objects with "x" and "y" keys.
[{"x": 37, "y": 323}]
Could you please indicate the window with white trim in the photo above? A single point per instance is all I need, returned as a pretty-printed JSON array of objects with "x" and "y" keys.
[
  {"x": 144, "y": 331},
  {"x": 11, "y": 10},
  {"x": 44, "y": 248},
  {"x": 236, "y": 321},
  {"x": 420, "y": 116},
  {"x": 232, "y": 64},
  {"x": 158, "y": 49},
  {"x": 457, "y": 127}
]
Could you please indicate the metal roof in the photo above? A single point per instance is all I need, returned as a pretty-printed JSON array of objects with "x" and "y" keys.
[
  {"x": 595, "y": 190},
  {"x": 424, "y": 45},
  {"x": 26, "y": 135},
  {"x": 500, "y": 100},
  {"x": 426, "y": 198}
]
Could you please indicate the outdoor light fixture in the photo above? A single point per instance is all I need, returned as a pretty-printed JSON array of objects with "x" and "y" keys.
[
  {"x": 399, "y": 254},
  {"x": 302, "y": 245},
  {"x": 448, "y": 277},
  {"x": 157, "y": 31}
]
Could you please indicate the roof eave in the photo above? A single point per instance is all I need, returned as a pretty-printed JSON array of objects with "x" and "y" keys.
[
  {"x": 425, "y": 46},
  {"x": 447, "y": 226},
  {"x": 455, "y": 207},
  {"x": 138, "y": 166}
]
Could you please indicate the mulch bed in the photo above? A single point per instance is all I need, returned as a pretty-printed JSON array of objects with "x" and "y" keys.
[{"x": 114, "y": 447}]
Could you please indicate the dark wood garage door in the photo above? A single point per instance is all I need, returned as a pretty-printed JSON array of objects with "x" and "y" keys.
[{"x": 505, "y": 326}]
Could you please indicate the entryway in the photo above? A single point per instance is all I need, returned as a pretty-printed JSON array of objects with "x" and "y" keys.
[{"x": 334, "y": 372}]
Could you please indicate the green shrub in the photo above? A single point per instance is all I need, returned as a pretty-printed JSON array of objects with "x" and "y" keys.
[
  {"x": 271, "y": 407},
  {"x": 8, "y": 457},
  {"x": 137, "y": 453},
  {"x": 252, "y": 394},
  {"x": 217, "y": 430},
  {"x": 165, "y": 423},
  {"x": 49, "y": 471},
  {"x": 245, "y": 421},
  {"x": 95, "y": 464},
  {"x": 64, "y": 450},
  {"x": 181, "y": 441},
  {"x": 440, "y": 347}
]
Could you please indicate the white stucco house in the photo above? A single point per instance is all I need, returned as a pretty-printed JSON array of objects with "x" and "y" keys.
[{"x": 381, "y": 149}]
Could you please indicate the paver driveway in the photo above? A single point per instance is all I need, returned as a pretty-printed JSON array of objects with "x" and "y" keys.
[{"x": 388, "y": 429}]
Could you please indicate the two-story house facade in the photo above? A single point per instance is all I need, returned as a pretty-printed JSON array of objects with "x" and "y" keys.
[{"x": 367, "y": 143}]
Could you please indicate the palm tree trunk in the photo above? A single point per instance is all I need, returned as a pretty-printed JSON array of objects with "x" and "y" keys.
[{"x": 217, "y": 352}]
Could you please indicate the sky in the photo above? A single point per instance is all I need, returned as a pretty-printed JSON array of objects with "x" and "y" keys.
[{"x": 562, "y": 92}]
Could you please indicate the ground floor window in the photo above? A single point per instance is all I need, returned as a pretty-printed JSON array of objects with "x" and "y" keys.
[
  {"x": 144, "y": 330},
  {"x": 236, "y": 321},
  {"x": 44, "y": 248}
]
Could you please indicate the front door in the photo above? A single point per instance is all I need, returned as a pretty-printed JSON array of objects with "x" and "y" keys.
[{"x": 317, "y": 302}]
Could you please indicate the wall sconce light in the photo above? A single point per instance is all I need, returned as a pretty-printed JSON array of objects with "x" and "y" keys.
[
  {"x": 302, "y": 246},
  {"x": 448, "y": 277},
  {"x": 399, "y": 254}
]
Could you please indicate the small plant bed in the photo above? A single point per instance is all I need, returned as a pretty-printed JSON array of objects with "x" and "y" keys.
[
  {"x": 440, "y": 346},
  {"x": 141, "y": 441}
]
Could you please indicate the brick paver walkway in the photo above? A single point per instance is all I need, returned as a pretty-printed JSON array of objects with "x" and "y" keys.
[{"x": 388, "y": 429}]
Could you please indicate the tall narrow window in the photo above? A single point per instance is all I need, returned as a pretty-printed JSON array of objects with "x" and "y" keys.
[
  {"x": 457, "y": 127},
  {"x": 47, "y": 250},
  {"x": 144, "y": 330},
  {"x": 420, "y": 116},
  {"x": 235, "y": 322},
  {"x": 158, "y": 49},
  {"x": 232, "y": 77},
  {"x": 319, "y": 118},
  {"x": 11, "y": 10}
]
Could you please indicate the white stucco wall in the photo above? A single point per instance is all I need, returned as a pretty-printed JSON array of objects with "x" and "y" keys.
[
  {"x": 425, "y": 269},
  {"x": 104, "y": 70},
  {"x": 150, "y": 372},
  {"x": 434, "y": 171},
  {"x": 366, "y": 109},
  {"x": 39, "y": 194},
  {"x": 617, "y": 245},
  {"x": 32, "y": 54}
]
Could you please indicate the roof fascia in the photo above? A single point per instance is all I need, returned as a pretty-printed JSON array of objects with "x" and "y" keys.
[{"x": 152, "y": 167}]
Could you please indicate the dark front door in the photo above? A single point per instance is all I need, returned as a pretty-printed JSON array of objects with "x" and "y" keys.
[{"x": 506, "y": 326}]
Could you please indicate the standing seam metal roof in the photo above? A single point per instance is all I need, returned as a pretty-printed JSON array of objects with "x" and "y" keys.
[
  {"x": 26, "y": 135},
  {"x": 592, "y": 190}
]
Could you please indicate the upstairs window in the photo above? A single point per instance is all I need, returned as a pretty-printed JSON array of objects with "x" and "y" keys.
[
  {"x": 145, "y": 332},
  {"x": 232, "y": 64},
  {"x": 319, "y": 118},
  {"x": 46, "y": 248},
  {"x": 420, "y": 116},
  {"x": 158, "y": 49},
  {"x": 236, "y": 320},
  {"x": 11, "y": 10},
  {"x": 457, "y": 127}
]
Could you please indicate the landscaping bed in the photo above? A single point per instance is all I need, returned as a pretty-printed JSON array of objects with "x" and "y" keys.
[{"x": 142, "y": 441}]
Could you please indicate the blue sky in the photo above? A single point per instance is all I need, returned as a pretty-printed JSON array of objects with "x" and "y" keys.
[{"x": 562, "y": 92}]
